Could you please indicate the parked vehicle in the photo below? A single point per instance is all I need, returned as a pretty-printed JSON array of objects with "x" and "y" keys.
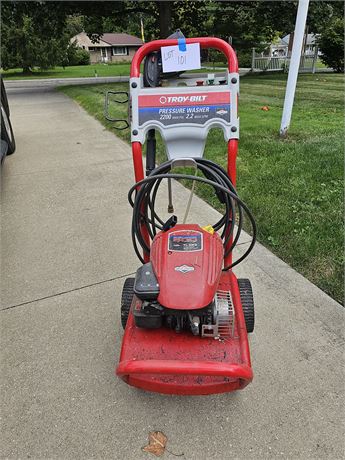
[{"x": 8, "y": 144}]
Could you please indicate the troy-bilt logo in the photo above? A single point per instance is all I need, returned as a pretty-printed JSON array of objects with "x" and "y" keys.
[
  {"x": 170, "y": 99},
  {"x": 184, "y": 269},
  {"x": 216, "y": 98}
]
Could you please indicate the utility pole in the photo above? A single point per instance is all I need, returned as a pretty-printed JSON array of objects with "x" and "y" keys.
[
  {"x": 142, "y": 29},
  {"x": 301, "y": 18}
]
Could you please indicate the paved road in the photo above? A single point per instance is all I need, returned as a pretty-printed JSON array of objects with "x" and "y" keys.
[
  {"x": 65, "y": 253},
  {"x": 49, "y": 83}
]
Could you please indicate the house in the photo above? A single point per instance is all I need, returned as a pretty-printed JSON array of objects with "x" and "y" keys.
[
  {"x": 111, "y": 47},
  {"x": 282, "y": 47}
]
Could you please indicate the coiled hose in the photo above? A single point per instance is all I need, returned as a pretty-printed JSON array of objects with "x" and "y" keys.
[{"x": 145, "y": 216}]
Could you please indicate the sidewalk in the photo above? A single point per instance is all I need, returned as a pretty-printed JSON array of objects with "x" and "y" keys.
[{"x": 66, "y": 250}]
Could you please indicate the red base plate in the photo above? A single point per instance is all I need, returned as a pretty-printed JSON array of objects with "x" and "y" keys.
[{"x": 163, "y": 361}]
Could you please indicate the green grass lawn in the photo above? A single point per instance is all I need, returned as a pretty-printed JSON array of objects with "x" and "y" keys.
[
  {"x": 294, "y": 186},
  {"x": 102, "y": 70},
  {"x": 80, "y": 71}
]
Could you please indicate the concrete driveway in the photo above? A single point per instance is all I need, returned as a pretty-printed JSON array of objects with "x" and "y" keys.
[{"x": 65, "y": 253}]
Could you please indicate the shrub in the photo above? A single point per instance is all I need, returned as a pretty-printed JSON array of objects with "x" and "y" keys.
[
  {"x": 244, "y": 58},
  {"x": 81, "y": 57},
  {"x": 76, "y": 56},
  {"x": 215, "y": 56},
  {"x": 331, "y": 44}
]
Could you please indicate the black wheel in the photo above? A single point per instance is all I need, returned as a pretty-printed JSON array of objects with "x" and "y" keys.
[
  {"x": 247, "y": 301},
  {"x": 6, "y": 131},
  {"x": 126, "y": 300}
]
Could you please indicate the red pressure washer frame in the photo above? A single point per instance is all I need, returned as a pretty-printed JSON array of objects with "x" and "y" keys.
[{"x": 158, "y": 360}]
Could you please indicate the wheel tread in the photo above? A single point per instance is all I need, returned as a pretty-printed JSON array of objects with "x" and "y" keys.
[
  {"x": 126, "y": 300},
  {"x": 247, "y": 300}
]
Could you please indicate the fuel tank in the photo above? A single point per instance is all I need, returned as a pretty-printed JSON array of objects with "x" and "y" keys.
[{"x": 187, "y": 262}]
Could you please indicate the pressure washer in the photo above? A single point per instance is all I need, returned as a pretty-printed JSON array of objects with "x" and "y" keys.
[{"x": 185, "y": 314}]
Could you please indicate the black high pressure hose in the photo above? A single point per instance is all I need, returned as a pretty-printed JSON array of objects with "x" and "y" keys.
[{"x": 144, "y": 214}]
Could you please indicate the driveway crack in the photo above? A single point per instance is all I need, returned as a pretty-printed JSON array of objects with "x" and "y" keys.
[{"x": 22, "y": 304}]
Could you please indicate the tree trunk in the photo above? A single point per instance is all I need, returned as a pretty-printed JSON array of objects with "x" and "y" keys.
[
  {"x": 26, "y": 69},
  {"x": 164, "y": 11},
  {"x": 290, "y": 45}
]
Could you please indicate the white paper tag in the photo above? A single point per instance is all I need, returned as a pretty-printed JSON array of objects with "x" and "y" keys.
[{"x": 174, "y": 60}]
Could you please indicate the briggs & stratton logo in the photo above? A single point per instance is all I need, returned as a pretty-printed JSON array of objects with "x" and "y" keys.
[{"x": 184, "y": 269}]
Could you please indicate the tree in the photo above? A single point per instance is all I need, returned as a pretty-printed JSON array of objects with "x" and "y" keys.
[
  {"x": 37, "y": 33},
  {"x": 160, "y": 18},
  {"x": 331, "y": 44},
  {"x": 258, "y": 23},
  {"x": 74, "y": 25},
  {"x": 252, "y": 24},
  {"x": 327, "y": 19},
  {"x": 32, "y": 34}
]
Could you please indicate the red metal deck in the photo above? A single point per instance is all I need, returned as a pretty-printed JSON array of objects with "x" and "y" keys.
[{"x": 166, "y": 362}]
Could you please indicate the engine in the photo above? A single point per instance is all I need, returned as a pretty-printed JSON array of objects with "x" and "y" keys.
[{"x": 178, "y": 288}]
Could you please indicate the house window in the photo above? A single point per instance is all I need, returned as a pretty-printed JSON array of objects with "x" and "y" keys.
[
  {"x": 91, "y": 48},
  {"x": 119, "y": 50}
]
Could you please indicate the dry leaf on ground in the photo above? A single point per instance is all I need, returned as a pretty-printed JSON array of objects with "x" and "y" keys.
[{"x": 157, "y": 443}]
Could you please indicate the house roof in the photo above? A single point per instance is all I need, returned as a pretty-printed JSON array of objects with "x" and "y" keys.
[
  {"x": 310, "y": 39},
  {"x": 107, "y": 40},
  {"x": 121, "y": 39}
]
